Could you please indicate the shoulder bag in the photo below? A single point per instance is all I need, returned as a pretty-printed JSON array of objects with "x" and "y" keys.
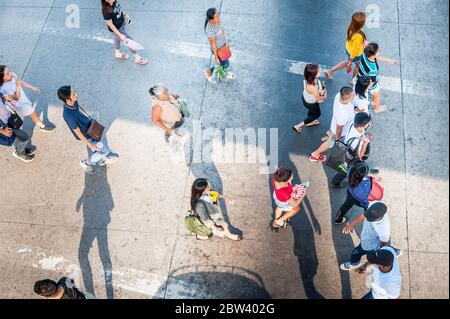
[{"x": 95, "y": 130}]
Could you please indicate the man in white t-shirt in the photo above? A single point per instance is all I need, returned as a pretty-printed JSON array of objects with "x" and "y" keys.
[
  {"x": 358, "y": 143},
  {"x": 343, "y": 114},
  {"x": 386, "y": 278},
  {"x": 375, "y": 234}
]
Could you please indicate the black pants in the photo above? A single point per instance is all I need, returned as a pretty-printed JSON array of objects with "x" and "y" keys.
[
  {"x": 338, "y": 178},
  {"x": 313, "y": 111},
  {"x": 349, "y": 202},
  {"x": 177, "y": 124}
]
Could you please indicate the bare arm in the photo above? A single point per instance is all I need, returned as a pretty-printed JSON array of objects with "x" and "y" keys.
[
  {"x": 362, "y": 150},
  {"x": 312, "y": 89},
  {"x": 115, "y": 30},
  {"x": 349, "y": 228},
  {"x": 296, "y": 202},
  {"x": 339, "y": 131},
  {"x": 389, "y": 60},
  {"x": 212, "y": 43},
  {"x": 30, "y": 86},
  {"x": 156, "y": 118},
  {"x": 85, "y": 141}
]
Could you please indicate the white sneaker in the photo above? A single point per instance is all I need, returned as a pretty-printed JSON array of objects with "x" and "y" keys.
[
  {"x": 349, "y": 266},
  {"x": 110, "y": 160},
  {"x": 230, "y": 76},
  {"x": 87, "y": 168},
  {"x": 208, "y": 77}
]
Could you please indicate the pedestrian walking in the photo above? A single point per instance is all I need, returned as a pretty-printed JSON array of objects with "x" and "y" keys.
[
  {"x": 358, "y": 191},
  {"x": 343, "y": 114},
  {"x": 358, "y": 143},
  {"x": 81, "y": 125},
  {"x": 386, "y": 278},
  {"x": 314, "y": 92},
  {"x": 219, "y": 44},
  {"x": 117, "y": 20},
  {"x": 12, "y": 89},
  {"x": 375, "y": 234},
  {"x": 206, "y": 207},
  {"x": 354, "y": 45},
  {"x": 288, "y": 205},
  {"x": 361, "y": 101},
  {"x": 13, "y": 136},
  {"x": 166, "y": 111},
  {"x": 370, "y": 67},
  {"x": 65, "y": 288}
]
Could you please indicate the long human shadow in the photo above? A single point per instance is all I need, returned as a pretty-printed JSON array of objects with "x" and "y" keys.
[
  {"x": 97, "y": 203},
  {"x": 302, "y": 228}
]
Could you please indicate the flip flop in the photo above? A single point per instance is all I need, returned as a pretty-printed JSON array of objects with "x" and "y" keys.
[
  {"x": 142, "y": 61},
  {"x": 297, "y": 131},
  {"x": 313, "y": 123},
  {"x": 123, "y": 56},
  {"x": 320, "y": 159}
]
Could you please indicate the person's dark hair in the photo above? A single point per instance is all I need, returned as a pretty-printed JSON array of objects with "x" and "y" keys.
[
  {"x": 210, "y": 15},
  {"x": 371, "y": 49},
  {"x": 283, "y": 174},
  {"x": 198, "y": 187},
  {"x": 358, "y": 21},
  {"x": 64, "y": 93},
  {"x": 361, "y": 119},
  {"x": 2, "y": 73},
  {"x": 45, "y": 288},
  {"x": 311, "y": 73},
  {"x": 106, "y": 7},
  {"x": 361, "y": 86},
  {"x": 345, "y": 92},
  {"x": 357, "y": 173}
]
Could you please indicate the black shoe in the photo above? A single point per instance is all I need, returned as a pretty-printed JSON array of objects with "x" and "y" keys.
[
  {"x": 339, "y": 222},
  {"x": 339, "y": 186},
  {"x": 47, "y": 128},
  {"x": 374, "y": 171},
  {"x": 23, "y": 157},
  {"x": 30, "y": 150}
]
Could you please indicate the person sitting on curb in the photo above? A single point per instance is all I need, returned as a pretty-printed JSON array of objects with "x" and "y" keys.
[
  {"x": 208, "y": 211},
  {"x": 343, "y": 114},
  {"x": 386, "y": 278},
  {"x": 375, "y": 234},
  {"x": 64, "y": 289}
]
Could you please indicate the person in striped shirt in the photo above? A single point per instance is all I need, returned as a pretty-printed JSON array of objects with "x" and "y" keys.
[{"x": 370, "y": 67}]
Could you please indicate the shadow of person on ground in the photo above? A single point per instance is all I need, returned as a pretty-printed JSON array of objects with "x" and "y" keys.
[{"x": 97, "y": 203}]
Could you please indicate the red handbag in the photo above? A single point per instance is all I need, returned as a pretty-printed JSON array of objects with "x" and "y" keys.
[
  {"x": 376, "y": 191},
  {"x": 224, "y": 53}
]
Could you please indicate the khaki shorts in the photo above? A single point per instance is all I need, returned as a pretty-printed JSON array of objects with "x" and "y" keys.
[{"x": 331, "y": 139}]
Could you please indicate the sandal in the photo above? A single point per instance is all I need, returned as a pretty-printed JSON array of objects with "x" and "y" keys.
[
  {"x": 320, "y": 159},
  {"x": 313, "y": 123},
  {"x": 199, "y": 237},
  {"x": 380, "y": 109},
  {"x": 278, "y": 226},
  {"x": 123, "y": 56},
  {"x": 297, "y": 131},
  {"x": 142, "y": 61},
  {"x": 328, "y": 75},
  {"x": 238, "y": 238}
]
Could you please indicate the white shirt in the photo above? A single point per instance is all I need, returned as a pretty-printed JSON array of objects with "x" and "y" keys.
[
  {"x": 4, "y": 113},
  {"x": 9, "y": 88},
  {"x": 353, "y": 132},
  {"x": 373, "y": 233},
  {"x": 361, "y": 103},
  {"x": 343, "y": 115},
  {"x": 387, "y": 285}
]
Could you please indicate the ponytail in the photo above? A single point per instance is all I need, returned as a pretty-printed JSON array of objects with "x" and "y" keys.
[{"x": 209, "y": 15}]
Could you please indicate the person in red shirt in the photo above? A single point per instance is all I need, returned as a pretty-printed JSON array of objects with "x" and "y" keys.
[{"x": 282, "y": 195}]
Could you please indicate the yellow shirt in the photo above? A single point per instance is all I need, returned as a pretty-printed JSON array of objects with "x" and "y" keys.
[{"x": 355, "y": 46}]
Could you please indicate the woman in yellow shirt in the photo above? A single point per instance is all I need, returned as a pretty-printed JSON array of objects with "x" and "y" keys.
[{"x": 356, "y": 41}]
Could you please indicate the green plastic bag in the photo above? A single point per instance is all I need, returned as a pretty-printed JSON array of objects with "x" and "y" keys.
[
  {"x": 195, "y": 225},
  {"x": 220, "y": 74}
]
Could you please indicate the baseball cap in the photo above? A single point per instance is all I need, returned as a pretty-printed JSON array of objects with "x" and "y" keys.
[
  {"x": 381, "y": 257},
  {"x": 375, "y": 212}
]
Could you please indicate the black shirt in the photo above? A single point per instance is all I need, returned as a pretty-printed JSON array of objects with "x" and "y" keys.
[
  {"x": 70, "y": 291},
  {"x": 116, "y": 15}
]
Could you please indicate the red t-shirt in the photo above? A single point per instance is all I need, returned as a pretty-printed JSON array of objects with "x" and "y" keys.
[{"x": 283, "y": 194}]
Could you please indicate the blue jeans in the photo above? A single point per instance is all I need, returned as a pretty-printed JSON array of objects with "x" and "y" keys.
[
  {"x": 357, "y": 254},
  {"x": 94, "y": 158},
  {"x": 368, "y": 295}
]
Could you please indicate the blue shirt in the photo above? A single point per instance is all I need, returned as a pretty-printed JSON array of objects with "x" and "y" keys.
[
  {"x": 74, "y": 118},
  {"x": 361, "y": 192}
]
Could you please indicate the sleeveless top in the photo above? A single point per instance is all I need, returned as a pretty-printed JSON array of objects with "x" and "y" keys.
[
  {"x": 310, "y": 98},
  {"x": 170, "y": 113}
]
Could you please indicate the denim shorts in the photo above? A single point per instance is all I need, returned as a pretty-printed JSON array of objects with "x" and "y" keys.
[
  {"x": 356, "y": 59},
  {"x": 284, "y": 206}
]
